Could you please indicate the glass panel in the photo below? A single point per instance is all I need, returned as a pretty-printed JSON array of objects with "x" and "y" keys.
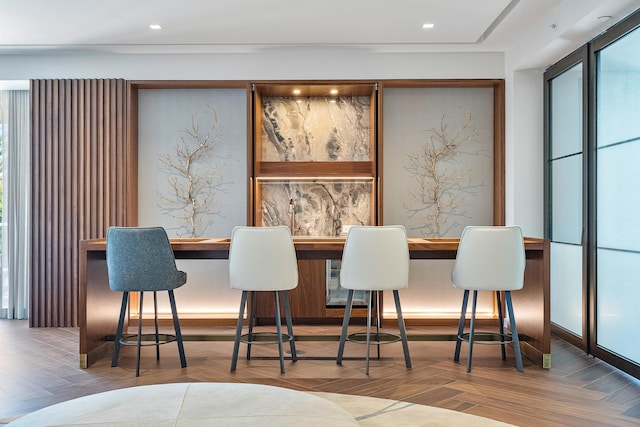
[
  {"x": 618, "y": 204},
  {"x": 618, "y": 88},
  {"x": 566, "y": 113},
  {"x": 4, "y": 297},
  {"x": 336, "y": 294},
  {"x": 618, "y": 316},
  {"x": 566, "y": 292},
  {"x": 566, "y": 199}
]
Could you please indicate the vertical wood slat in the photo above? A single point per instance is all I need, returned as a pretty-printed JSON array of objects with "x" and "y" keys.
[{"x": 79, "y": 185}]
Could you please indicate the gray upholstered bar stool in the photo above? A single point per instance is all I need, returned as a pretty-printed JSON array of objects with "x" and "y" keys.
[
  {"x": 489, "y": 258},
  {"x": 140, "y": 259},
  {"x": 375, "y": 259},
  {"x": 263, "y": 259}
]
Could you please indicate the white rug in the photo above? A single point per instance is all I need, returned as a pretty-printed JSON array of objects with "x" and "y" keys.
[
  {"x": 374, "y": 412},
  {"x": 233, "y": 404}
]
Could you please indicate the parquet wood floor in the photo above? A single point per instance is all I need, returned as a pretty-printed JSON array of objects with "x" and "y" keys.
[{"x": 39, "y": 367}]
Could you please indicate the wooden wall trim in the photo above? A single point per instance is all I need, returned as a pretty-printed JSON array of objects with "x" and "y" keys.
[
  {"x": 78, "y": 147},
  {"x": 499, "y": 212}
]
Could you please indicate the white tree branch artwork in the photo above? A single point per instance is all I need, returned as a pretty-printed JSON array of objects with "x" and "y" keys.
[
  {"x": 194, "y": 178},
  {"x": 440, "y": 181}
]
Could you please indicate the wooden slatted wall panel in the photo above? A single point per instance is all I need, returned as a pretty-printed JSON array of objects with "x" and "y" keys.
[{"x": 78, "y": 182}]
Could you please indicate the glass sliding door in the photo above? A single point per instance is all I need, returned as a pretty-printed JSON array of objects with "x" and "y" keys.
[
  {"x": 618, "y": 197},
  {"x": 4, "y": 290},
  {"x": 592, "y": 124},
  {"x": 565, "y": 159}
]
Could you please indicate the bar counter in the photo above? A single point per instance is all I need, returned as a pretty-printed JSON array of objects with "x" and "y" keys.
[{"x": 99, "y": 306}]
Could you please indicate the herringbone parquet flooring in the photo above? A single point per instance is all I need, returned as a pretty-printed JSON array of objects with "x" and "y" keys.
[{"x": 39, "y": 367}]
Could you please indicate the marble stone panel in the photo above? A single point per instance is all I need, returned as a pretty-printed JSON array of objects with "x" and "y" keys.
[
  {"x": 315, "y": 129},
  {"x": 316, "y": 208}
]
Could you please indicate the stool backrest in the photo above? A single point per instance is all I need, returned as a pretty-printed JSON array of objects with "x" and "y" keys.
[
  {"x": 490, "y": 258},
  {"x": 141, "y": 259},
  {"x": 375, "y": 258},
  {"x": 262, "y": 259}
]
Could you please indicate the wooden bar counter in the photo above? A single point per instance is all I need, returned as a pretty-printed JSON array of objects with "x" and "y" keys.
[{"x": 99, "y": 306}]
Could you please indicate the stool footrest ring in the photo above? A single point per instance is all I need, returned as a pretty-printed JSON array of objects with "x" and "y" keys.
[
  {"x": 375, "y": 338},
  {"x": 264, "y": 338},
  {"x": 147, "y": 339},
  {"x": 487, "y": 338}
]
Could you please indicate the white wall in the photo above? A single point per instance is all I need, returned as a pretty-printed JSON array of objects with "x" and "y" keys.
[{"x": 524, "y": 151}]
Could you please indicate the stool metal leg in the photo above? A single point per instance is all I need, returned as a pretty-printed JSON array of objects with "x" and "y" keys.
[
  {"x": 471, "y": 328},
  {"x": 345, "y": 326},
  {"x": 139, "y": 335},
  {"x": 514, "y": 331},
  {"x": 155, "y": 322},
  {"x": 176, "y": 327},
  {"x": 279, "y": 330},
  {"x": 377, "y": 295},
  {"x": 116, "y": 348},
  {"x": 501, "y": 326},
  {"x": 463, "y": 316},
  {"x": 236, "y": 343},
  {"x": 287, "y": 312},
  {"x": 403, "y": 332},
  {"x": 366, "y": 371},
  {"x": 252, "y": 320}
]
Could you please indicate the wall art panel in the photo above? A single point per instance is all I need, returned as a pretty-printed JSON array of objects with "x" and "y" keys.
[{"x": 438, "y": 159}]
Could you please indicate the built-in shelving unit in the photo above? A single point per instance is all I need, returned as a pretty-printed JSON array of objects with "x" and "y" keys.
[{"x": 315, "y": 156}]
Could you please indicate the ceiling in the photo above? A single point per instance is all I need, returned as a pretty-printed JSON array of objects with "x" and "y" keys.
[{"x": 64, "y": 26}]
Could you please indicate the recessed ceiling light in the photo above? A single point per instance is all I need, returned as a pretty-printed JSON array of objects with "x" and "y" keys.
[
  {"x": 428, "y": 25},
  {"x": 296, "y": 91},
  {"x": 155, "y": 27},
  {"x": 334, "y": 91},
  {"x": 603, "y": 18}
]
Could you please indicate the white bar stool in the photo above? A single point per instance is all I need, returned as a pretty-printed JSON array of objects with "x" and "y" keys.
[
  {"x": 489, "y": 258},
  {"x": 375, "y": 259},
  {"x": 263, "y": 259}
]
